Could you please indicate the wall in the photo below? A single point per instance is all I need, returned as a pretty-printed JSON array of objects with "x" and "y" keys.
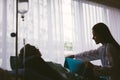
[{"x": 113, "y": 3}]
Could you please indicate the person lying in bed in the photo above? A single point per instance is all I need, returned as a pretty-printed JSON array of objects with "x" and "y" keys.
[{"x": 33, "y": 62}]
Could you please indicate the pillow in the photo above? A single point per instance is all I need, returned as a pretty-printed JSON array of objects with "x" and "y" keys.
[
  {"x": 74, "y": 65},
  {"x": 13, "y": 62}
]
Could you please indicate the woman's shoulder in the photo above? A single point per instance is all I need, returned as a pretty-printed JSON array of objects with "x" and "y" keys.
[
  {"x": 102, "y": 47},
  {"x": 107, "y": 46}
]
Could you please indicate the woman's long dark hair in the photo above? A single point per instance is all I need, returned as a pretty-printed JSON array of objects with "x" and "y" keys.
[{"x": 103, "y": 31}]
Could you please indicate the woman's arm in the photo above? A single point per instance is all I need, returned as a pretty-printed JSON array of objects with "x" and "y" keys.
[{"x": 88, "y": 55}]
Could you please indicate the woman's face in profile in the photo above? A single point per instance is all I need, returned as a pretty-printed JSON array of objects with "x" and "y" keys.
[{"x": 96, "y": 38}]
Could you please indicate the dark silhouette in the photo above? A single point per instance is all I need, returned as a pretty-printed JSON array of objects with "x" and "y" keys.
[
  {"x": 108, "y": 53},
  {"x": 4, "y": 75},
  {"x": 33, "y": 63}
]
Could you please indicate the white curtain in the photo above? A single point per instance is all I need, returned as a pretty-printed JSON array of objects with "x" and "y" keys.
[
  {"x": 85, "y": 15},
  {"x": 42, "y": 27},
  {"x": 56, "y": 27}
]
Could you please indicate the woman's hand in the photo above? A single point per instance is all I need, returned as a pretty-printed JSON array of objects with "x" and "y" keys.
[{"x": 70, "y": 56}]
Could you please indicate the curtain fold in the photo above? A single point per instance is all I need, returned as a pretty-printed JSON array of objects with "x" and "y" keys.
[
  {"x": 113, "y": 20},
  {"x": 4, "y": 34}
]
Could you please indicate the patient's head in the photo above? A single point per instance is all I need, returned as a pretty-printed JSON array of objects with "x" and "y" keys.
[{"x": 29, "y": 50}]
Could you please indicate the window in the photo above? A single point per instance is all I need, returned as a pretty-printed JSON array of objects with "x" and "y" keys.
[{"x": 56, "y": 27}]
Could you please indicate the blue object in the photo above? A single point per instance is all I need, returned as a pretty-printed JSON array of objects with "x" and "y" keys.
[
  {"x": 78, "y": 66},
  {"x": 75, "y": 66}
]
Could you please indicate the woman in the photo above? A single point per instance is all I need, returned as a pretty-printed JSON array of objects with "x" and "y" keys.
[{"x": 108, "y": 53}]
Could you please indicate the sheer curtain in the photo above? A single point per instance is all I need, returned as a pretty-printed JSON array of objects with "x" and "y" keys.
[
  {"x": 56, "y": 27},
  {"x": 85, "y": 15},
  {"x": 42, "y": 27}
]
